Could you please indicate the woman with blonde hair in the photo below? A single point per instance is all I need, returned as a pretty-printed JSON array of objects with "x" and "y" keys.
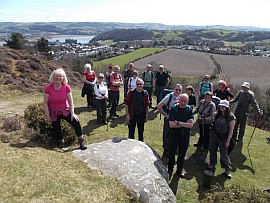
[
  {"x": 58, "y": 105},
  {"x": 89, "y": 78}
]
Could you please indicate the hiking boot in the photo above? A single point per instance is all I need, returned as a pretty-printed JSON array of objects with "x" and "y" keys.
[
  {"x": 228, "y": 174},
  {"x": 104, "y": 122},
  {"x": 60, "y": 143},
  {"x": 181, "y": 174},
  {"x": 82, "y": 144},
  {"x": 211, "y": 167}
]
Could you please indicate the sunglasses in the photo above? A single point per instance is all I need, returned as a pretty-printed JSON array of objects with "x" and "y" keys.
[
  {"x": 139, "y": 84},
  {"x": 100, "y": 77},
  {"x": 206, "y": 78},
  {"x": 178, "y": 90}
]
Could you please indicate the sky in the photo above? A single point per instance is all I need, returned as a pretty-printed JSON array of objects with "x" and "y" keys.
[{"x": 170, "y": 12}]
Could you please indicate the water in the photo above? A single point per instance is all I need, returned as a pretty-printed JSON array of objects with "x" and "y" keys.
[{"x": 83, "y": 39}]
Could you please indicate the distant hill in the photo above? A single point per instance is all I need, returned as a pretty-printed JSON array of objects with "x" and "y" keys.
[
  {"x": 25, "y": 72},
  {"x": 94, "y": 28},
  {"x": 177, "y": 37},
  {"x": 125, "y": 35}
]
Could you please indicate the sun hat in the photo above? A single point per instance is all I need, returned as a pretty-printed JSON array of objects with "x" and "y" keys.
[
  {"x": 246, "y": 85},
  {"x": 224, "y": 103},
  {"x": 149, "y": 66},
  {"x": 161, "y": 66}
]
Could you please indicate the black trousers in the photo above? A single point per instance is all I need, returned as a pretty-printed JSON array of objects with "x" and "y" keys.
[
  {"x": 177, "y": 138},
  {"x": 89, "y": 95},
  {"x": 101, "y": 109},
  {"x": 115, "y": 100},
  {"x": 166, "y": 130},
  {"x": 204, "y": 135},
  {"x": 139, "y": 120},
  {"x": 150, "y": 91},
  {"x": 57, "y": 126}
]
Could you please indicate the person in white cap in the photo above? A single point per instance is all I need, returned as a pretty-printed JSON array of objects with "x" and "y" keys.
[
  {"x": 148, "y": 78},
  {"x": 245, "y": 99},
  {"x": 220, "y": 137}
]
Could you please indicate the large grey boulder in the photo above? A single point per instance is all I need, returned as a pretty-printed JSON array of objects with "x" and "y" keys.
[{"x": 134, "y": 163}]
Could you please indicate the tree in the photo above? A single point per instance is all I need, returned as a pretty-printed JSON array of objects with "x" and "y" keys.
[
  {"x": 43, "y": 45},
  {"x": 16, "y": 41}
]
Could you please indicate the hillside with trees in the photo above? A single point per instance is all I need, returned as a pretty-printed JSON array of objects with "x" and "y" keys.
[{"x": 125, "y": 35}]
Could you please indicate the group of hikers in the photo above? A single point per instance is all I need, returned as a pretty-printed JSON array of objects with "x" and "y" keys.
[{"x": 218, "y": 126}]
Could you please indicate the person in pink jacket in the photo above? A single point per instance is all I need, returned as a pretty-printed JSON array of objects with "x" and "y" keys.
[{"x": 58, "y": 105}]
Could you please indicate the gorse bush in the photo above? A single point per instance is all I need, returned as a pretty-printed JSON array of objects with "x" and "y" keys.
[
  {"x": 235, "y": 193},
  {"x": 11, "y": 123},
  {"x": 35, "y": 119}
]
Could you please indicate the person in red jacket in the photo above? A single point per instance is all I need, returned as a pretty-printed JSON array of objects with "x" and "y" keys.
[
  {"x": 137, "y": 108},
  {"x": 115, "y": 83},
  {"x": 89, "y": 78}
]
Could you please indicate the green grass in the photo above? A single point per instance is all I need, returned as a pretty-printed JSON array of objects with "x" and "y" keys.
[
  {"x": 106, "y": 42},
  {"x": 234, "y": 44},
  {"x": 127, "y": 58},
  {"x": 31, "y": 172}
]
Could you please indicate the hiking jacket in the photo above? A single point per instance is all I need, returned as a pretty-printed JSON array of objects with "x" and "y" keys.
[
  {"x": 131, "y": 99},
  {"x": 245, "y": 100}
]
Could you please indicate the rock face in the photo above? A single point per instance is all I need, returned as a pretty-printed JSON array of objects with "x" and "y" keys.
[{"x": 134, "y": 163}]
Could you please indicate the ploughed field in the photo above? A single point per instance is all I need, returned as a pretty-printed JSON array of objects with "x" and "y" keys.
[
  {"x": 235, "y": 69},
  {"x": 238, "y": 69},
  {"x": 180, "y": 62}
]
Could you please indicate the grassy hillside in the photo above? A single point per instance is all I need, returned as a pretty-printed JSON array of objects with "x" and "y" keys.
[{"x": 32, "y": 172}]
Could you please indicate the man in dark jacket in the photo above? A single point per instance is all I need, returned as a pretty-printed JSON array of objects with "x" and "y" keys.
[
  {"x": 161, "y": 82},
  {"x": 137, "y": 108},
  {"x": 245, "y": 99}
]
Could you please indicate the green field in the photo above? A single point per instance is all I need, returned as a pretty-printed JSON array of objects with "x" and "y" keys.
[
  {"x": 234, "y": 44},
  {"x": 123, "y": 60},
  {"x": 30, "y": 172}
]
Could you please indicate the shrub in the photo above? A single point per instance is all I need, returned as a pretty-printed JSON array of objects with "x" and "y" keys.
[
  {"x": 237, "y": 194},
  {"x": 11, "y": 123},
  {"x": 4, "y": 68},
  {"x": 35, "y": 119}
]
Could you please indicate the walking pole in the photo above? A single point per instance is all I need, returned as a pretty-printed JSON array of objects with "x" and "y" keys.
[
  {"x": 256, "y": 123},
  {"x": 255, "y": 126},
  {"x": 107, "y": 129},
  {"x": 250, "y": 161}
]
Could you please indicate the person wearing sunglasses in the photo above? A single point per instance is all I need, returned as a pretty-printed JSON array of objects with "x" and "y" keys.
[
  {"x": 205, "y": 86},
  {"x": 164, "y": 108},
  {"x": 137, "y": 108},
  {"x": 101, "y": 95}
]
